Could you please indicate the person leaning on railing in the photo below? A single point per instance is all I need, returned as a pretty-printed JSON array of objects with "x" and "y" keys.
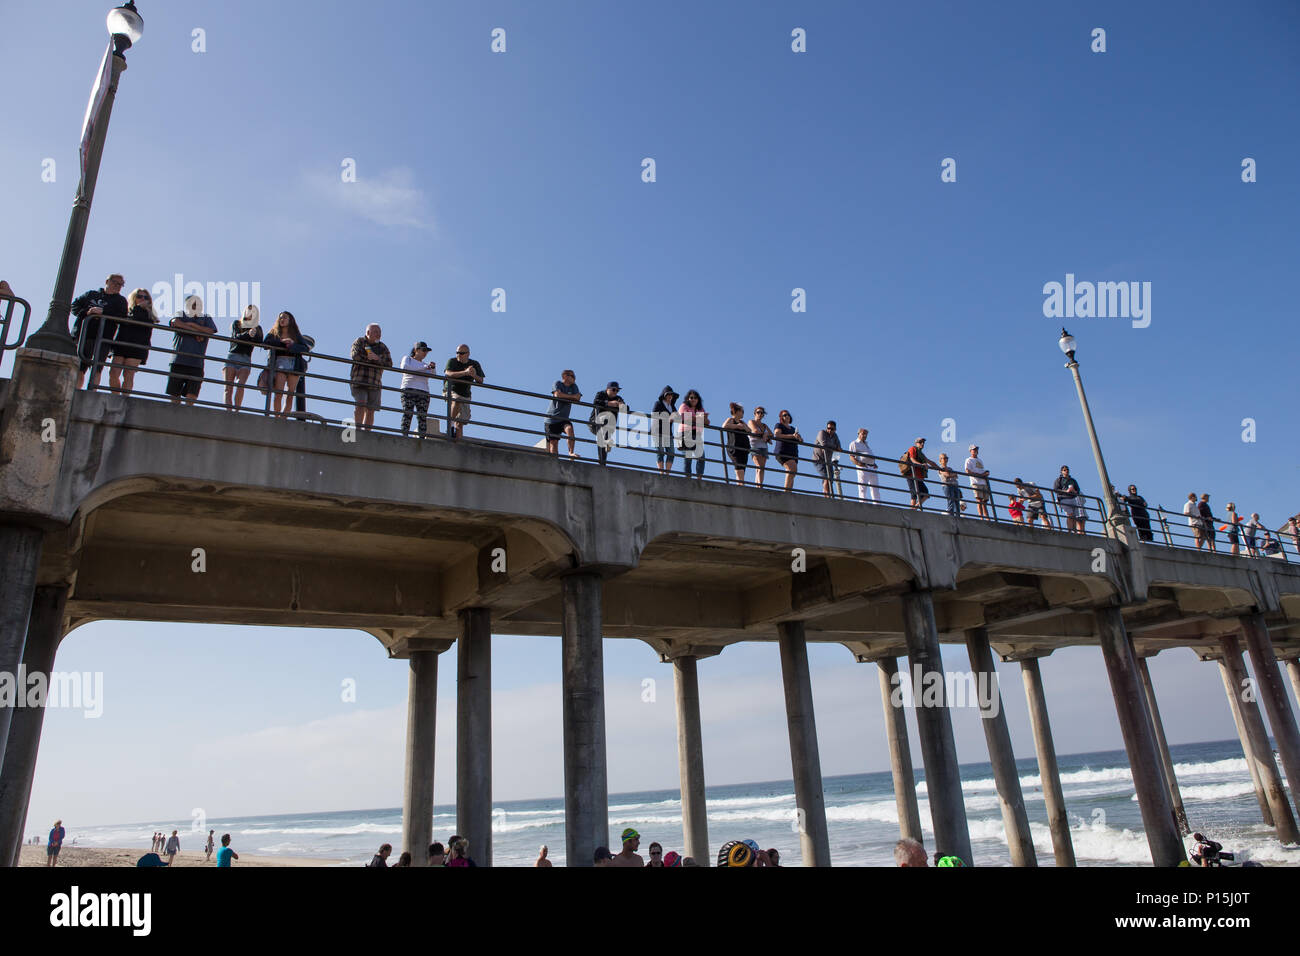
[
  {"x": 370, "y": 356},
  {"x": 1137, "y": 510},
  {"x": 189, "y": 347},
  {"x": 664, "y": 416},
  {"x": 285, "y": 365},
  {"x": 131, "y": 341},
  {"x": 239, "y": 361},
  {"x": 694, "y": 420},
  {"x": 95, "y": 312}
]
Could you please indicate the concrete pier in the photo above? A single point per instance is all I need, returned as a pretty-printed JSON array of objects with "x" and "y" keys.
[
  {"x": 44, "y": 631},
  {"x": 1268, "y": 680},
  {"x": 1001, "y": 754},
  {"x": 586, "y": 783},
  {"x": 934, "y": 723},
  {"x": 1166, "y": 761},
  {"x": 805, "y": 759},
  {"x": 1058, "y": 821},
  {"x": 1139, "y": 739},
  {"x": 474, "y": 733},
  {"x": 21, "y": 548},
  {"x": 690, "y": 759},
  {"x": 421, "y": 720},
  {"x": 1256, "y": 746},
  {"x": 1293, "y": 671},
  {"x": 900, "y": 752}
]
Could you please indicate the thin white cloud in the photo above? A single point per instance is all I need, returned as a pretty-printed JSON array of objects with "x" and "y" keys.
[{"x": 388, "y": 198}]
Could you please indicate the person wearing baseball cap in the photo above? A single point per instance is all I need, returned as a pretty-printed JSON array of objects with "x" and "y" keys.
[
  {"x": 604, "y": 417},
  {"x": 629, "y": 856},
  {"x": 663, "y": 415},
  {"x": 979, "y": 484}
]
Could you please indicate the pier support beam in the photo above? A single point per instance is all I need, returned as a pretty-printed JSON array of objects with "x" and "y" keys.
[
  {"x": 1058, "y": 821},
  {"x": 1256, "y": 746},
  {"x": 1139, "y": 739},
  {"x": 421, "y": 721},
  {"x": 934, "y": 724},
  {"x": 1268, "y": 678},
  {"x": 1293, "y": 671},
  {"x": 805, "y": 758},
  {"x": 21, "y": 548},
  {"x": 1166, "y": 761},
  {"x": 900, "y": 752},
  {"x": 44, "y": 631},
  {"x": 1001, "y": 755},
  {"x": 586, "y": 785},
  {"x": 474, "y": 733},
  {"x": 690, "y": 759}
]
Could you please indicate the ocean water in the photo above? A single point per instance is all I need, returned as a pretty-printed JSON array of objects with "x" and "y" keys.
[{"x": 861, "y": 816}]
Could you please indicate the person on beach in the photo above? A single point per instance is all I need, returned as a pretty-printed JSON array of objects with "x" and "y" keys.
[
  {"x": 460, "y": 852},
  {"x": 415, "y": 389},
  {"x": 370, "y": 356},
  {"x": 601, "y": 857},
  {"x": 464, "y": 371},
  {"x": 979, "y": 484},
  {"x": 908, "y": 852},
  {"x": 207, "y": 850},
  {"x": 737, "y": 430},
  {"x": 55, "y": 844},
  {"x": 656, "y": 855},
  {"x": 173, "y": 847},
  {"x": 759, "y": 436},
  {"x": 787, "y": 439},
  {"x": 664, "y": 415},
  {"x": 437, "y": 854},
  {"x": 226, "y": 854},
  {"x": 631, "y": 841},
  {"x": 541, "y": 856},
  {"x": 1071, "y": 501},
  {"x": 247, "y": 333},
  {"x": 773, "y": 857},
  {"x": 380, "y": 859},
  {"x": 404, "y": 859},
  {"x": 558, "y": 421},
  {"x": 865, "y": 461},
  {"x": 828, "y": 444}
]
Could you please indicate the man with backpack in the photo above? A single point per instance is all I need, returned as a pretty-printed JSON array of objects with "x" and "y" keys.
[
  {"x": 604, "y": 418},
  {"x": 913, "y": 466}
]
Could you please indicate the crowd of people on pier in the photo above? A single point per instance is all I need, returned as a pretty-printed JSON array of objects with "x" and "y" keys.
[{"x": 114, "y": 332}]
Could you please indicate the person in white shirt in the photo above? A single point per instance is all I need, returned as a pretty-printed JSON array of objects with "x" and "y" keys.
[
  {"x": 979, "y": 484},
  {"x": 860, "y": 452},
  {"x": 415, "y": 388},
  {"x": 1194, "y": 520}
]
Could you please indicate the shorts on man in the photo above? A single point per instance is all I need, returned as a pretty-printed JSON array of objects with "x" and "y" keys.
[
  {"x": 184, "y": 381},
  {"x": 367, "y": 396}
]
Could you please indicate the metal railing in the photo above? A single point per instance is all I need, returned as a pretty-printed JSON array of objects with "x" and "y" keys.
[
  {"x": 8, "y": 303},
  {"x": 643, "y": 442}
]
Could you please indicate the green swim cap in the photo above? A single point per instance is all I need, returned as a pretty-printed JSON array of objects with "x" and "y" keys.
[
  {"x": 950, "y": 861},
  {"x": 630, "y": 834}
]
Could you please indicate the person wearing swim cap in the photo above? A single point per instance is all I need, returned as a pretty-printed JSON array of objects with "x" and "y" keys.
[
  {"x": 949, "y": 861},
  {"x": 735, "y": 853},
  {"x": 629, "y": 856},
  {"x": 671, "y": 858}
]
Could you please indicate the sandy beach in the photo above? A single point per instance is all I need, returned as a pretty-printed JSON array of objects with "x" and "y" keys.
[{"x": 106, "y": 856}]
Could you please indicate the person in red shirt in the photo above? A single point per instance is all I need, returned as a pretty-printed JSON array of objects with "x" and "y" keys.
[{"x": 917, "y": 463}]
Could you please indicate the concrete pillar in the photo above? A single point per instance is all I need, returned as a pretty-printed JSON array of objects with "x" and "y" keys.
[
  {"x": 474, "y": 733},
  {"x": 421, "y": 718},
  {"x": 1139, "y": 739},
  {"x": 805, "y": 758},
  {"x": 1162, "y": 745},
  {"x": 1001, "y": 755},
  {"x": 900, "y": 752},
  {"x": 1293, "y": 671},
  {"x": 1227, "y": 670},
  {"x": 690, "y": 759},
  {"x": 1058, "y": 820},
  {"x": 1268, "y": 678},
  {"x": 44, "y": 631},
  {"x": 21, "y": 548},
  {"x": 586, "y": 787},
  {"x": 934, "y": 724}
]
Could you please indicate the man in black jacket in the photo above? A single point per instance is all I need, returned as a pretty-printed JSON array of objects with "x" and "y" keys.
[{"x": 94, "y": 314}]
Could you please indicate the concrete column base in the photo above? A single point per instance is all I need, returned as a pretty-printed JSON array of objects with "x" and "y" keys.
[
  {"x": 805, "y": 758},
  {"x": 1058, "y": 821},
  {"x": 1272, "y": 692},
  {"x": 421, "y": 724},
  {"x": 900, "y": 751},
  {"x": 690, "y": 759},
  {"x": 21, "y": 550},
  {"x": 586, "y": 786},
  {"x": 474, "y": 733}
]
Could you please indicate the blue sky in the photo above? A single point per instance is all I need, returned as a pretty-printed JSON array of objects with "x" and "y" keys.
[{"x": 775, "y": 170}]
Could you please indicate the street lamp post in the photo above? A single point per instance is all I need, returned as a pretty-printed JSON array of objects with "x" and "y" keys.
[
  {"x": 125, "y": 27},
  {"x": 1113, "y": 515}
]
